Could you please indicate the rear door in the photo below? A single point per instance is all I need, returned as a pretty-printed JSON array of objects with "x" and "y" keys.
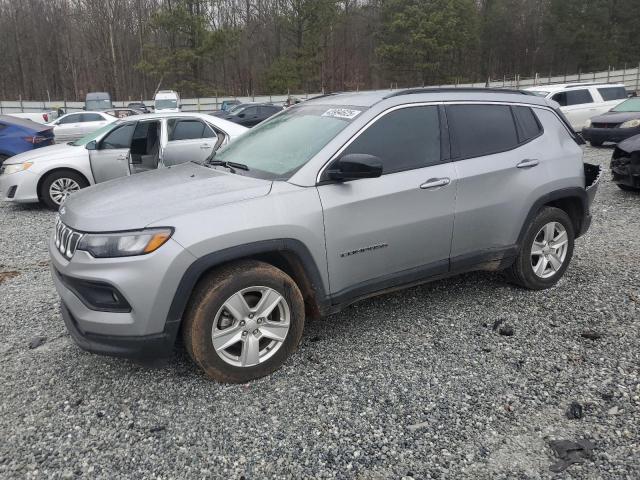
[
  {"x": 501, "y": 161},
  {"x": 578, "y": 105},
  {"x": 188, "y": 139},
  {"x": 111, "y": 159},
  {"x": 396, "y": 228}
]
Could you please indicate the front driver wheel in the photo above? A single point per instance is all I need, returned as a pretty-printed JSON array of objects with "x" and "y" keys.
[
  {"x": 57, "y": 186},
  {"x": 243, "y": 321},
  {"x": 545, "y": 252}
]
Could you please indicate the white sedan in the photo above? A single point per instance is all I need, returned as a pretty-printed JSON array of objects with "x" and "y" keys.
[
  {"x": 73, "y": 126},
  {"x": 136, "y": 144}
]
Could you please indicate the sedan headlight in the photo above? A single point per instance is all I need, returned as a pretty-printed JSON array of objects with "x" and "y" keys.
[
  {"x": 124, "y": 244},
  {"x": 631, "y": 123},
  {"x": 587, "y": 124},
  {"x": 16, "y": 167}
]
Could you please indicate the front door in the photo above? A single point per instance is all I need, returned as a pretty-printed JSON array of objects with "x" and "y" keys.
[
  {"x": 188, "y": 140},
  {"x": 111, "y": 158},
  {"x": 397, "y": 228}
]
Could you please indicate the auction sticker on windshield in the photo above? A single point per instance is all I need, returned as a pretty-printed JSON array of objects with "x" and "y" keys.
[{"x": 342, "y": 113}]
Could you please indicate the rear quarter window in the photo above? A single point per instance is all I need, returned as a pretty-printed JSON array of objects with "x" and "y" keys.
[
  {"x": 527, "y": 124},
  {"x": 478, "y": 130},
  {"x": 612, "y": 93},
  {"x": 573, "y": 97}
]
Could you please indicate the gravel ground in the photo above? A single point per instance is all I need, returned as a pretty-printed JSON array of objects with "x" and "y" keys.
[{"x": 416, "y": 384}]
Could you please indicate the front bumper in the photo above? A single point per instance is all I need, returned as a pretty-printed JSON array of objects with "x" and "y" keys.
[
  {"x": 146, "y": 283},
  {"x": 626, "y": 170},
  {"x": 615, "y": 135},
  {"x": 144, "y": 346},
  {"x": 19, "y": 187}
]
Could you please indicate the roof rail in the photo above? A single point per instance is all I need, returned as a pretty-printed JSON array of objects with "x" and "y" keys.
[{"x": 410, "y": 91}]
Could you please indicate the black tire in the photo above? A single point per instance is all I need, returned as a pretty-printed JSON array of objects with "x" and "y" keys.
[
  {"x": 596, "y": 144},
  {"x": 208, "y": 299},
  {"x": 521, "y": 272},
  {"x": 628, "y": 188},
  {"x": 46, "y": 198},
  {"x": 2, "y": 159}
]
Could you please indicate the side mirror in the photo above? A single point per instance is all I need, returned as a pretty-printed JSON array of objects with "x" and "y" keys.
[
  {"x": 92, "y": 145},
  {"x": 354, "y": 166},
  {"x": 241, "y": 115}
]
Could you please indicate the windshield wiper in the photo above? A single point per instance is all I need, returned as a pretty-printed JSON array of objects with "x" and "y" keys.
[{"x": 230, "y": 165}]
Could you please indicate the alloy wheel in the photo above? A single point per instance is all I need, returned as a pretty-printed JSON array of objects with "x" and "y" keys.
[
  {"x": 549, "y": 249},
  {"x": 61, "y": 188},
  {"x": 251, "y": 326}
]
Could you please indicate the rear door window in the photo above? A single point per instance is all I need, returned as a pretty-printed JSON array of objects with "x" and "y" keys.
[
  {"x": 186, "y": 130},
  {"x": 478, "y": 130},
  {"x": 403, "y": 139},
  {"x": 612, "y": 93},
  {"x": 573, "y": 97},
  {"x": 91, "y": 117}
]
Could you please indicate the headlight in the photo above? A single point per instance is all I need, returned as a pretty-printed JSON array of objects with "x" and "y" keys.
[
  {"x": 587, "y": 124},
  {"x": 631, "y": 123},
  {"x": 124, "y": 244},
  {"x": 16, "y": 167}
]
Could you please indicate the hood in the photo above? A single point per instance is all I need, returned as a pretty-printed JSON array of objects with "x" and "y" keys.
[
  {"x": 615, "y": 117},
  {"x": 630, "y": 145},
  {"x": 144, "y": 198},
  {"x": 46, "y": 153}
]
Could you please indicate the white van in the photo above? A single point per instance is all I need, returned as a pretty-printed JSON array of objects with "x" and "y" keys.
[
  {"x": 581, "y": 101},
  {"x": 167, "y": 101}
]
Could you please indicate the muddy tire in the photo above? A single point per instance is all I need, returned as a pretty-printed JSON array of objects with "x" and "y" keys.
[
  {"x": 243, "y": 321},
  {"x": 545, "y": 252}
]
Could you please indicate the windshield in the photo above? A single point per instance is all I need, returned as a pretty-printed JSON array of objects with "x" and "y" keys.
[
  {"x": 539, "y": 93},
  {"x": 93, "y": 135},
  {"x": 167, "y": 103},
  {"x": 278, "y": 147},
  {"x": 102, "y": 104},
  {"x": 631, "y": 105}
]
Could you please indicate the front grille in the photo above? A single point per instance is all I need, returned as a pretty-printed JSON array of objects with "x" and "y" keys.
[
  {"x": 605, "y": 125},
  {"x": 66, "y": 239}
]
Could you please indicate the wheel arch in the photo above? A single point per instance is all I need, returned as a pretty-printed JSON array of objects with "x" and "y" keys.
[
  {"x": 44, "y": 175},
  {"x": 573, "y": 201},
  {"x": 289, "y": 255}
]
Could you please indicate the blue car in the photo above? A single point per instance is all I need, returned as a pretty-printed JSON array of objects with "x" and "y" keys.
[{"x": 19, "y": 135}]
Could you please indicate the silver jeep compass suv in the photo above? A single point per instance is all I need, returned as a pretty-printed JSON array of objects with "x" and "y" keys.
[{"x": 336, "y": 199}]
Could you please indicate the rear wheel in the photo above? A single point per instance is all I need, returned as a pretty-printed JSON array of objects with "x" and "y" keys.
[
  {"x": 57, "y": 186},
  {"x": 627, "y": 188},
  {"x": 243, "y": 321},
  {"x": 545, "y": 252}
]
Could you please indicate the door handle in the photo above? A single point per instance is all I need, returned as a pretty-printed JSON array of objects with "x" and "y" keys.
[
  {"x": 205, "y": 146},
  {"x": 121, "y": 158},
  {"x": 528, "y": 163},
  {"x": 435, "y": 183}
]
